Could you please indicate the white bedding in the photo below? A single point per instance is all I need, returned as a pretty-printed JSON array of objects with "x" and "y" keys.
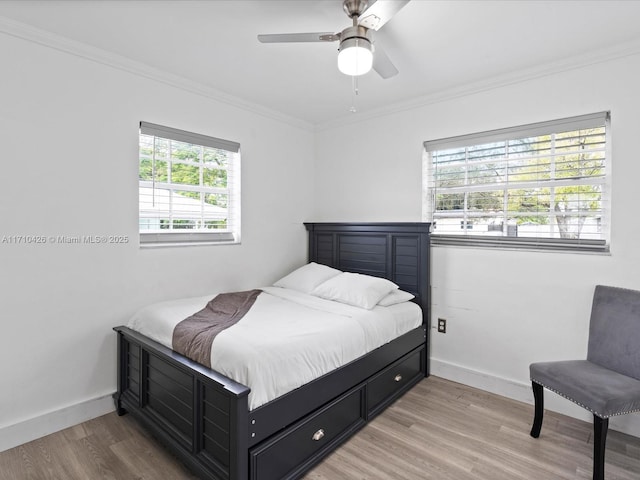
[{"x": 287, "y": 338}]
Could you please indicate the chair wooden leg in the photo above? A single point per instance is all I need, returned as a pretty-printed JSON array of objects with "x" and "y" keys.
[
  {"x": 538, "y": 396},
  {"x": 600, "y": 428}
]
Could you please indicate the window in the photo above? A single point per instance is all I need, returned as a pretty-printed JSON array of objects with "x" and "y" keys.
[
  {"x": 189, "y": 187},
  {"x": 540, "y": 186}
]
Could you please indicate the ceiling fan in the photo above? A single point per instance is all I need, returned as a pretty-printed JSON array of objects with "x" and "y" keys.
[{"x": 356, "y": 52}]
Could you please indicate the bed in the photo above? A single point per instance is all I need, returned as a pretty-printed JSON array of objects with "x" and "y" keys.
[{"x": 205, "y": 418}]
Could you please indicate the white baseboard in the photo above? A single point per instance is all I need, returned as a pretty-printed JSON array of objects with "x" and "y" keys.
[
  {"x": 522, "y": 392},
  {"x": 28, "y": 430}
]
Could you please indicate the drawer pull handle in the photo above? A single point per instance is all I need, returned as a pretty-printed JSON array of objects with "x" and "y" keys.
[
  {"x": 318, "y": 435},
  {"x": 397, "y": 378}
]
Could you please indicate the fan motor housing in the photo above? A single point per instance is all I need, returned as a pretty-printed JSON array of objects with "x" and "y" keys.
[{"x": 357, "y": 31}]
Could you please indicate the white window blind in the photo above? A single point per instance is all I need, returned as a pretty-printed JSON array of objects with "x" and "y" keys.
[
  {"x": 189, "y": 187},
  {"x": 541, "y": 186}
]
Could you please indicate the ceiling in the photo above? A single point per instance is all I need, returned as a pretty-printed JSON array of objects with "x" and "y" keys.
[{"x": 439, "y": 46}]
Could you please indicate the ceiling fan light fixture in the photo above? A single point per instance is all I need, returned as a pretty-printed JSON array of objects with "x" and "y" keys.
[{"x": 355, "y": 56}]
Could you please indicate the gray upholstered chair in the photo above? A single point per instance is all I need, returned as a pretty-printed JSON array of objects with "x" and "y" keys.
[{"x": 607, "y": 383}]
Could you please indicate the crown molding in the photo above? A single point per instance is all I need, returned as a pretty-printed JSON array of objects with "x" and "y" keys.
[
  {"x": 520, "y": 76},
  {"x": 72, "y": 47}
]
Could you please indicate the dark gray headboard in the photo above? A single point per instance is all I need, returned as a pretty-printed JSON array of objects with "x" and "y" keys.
[{"x": 396, "y": 251}]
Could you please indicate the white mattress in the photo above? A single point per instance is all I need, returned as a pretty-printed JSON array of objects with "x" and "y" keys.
[{"x": 287, "y": 339}]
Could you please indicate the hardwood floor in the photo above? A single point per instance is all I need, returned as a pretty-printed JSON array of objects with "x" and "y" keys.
[
  {"x": 439, "y": 430},
  {"x": 447, "y": 431}
]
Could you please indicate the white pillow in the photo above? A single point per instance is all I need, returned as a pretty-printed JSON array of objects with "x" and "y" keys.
[
  {"x": 355, "y": 289},
  {"x": 396, "y": 296},
  {"x": 307, "y": 277}
]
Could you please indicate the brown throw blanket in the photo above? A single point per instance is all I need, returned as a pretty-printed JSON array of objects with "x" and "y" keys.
[{"x": 193, "y": 336}]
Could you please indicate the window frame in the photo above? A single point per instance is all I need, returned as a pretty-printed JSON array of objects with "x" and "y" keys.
[
  {"x": 548, "y": 243},
  {"x": 187, "y": 236}
]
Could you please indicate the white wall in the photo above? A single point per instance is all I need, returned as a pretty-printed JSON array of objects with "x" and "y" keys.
[
  {"x": 68, "y": 143},
  {"x": 505, "y": 309}
]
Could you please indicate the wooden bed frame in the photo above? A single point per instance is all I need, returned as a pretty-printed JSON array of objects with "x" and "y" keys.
[{"x": 203, "y": 416}]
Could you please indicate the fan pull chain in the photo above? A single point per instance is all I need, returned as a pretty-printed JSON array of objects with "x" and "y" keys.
[{"x": 354, "y": 84}]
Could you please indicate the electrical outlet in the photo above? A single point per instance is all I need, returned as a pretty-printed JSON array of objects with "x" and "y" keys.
[{"x": 442, "y": 325}]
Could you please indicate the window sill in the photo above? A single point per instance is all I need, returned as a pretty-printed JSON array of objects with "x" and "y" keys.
[
  {"x": 523, "y": 244},
  {"x": 185, "y": 239}
]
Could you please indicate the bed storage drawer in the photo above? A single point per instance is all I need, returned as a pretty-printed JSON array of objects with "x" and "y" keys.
[
  {"x": 394, "y": 380},
  {"x": 289, "y": 453}
]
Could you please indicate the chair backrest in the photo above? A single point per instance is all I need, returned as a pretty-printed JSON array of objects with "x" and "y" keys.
[{"x": 614, "y": 332}]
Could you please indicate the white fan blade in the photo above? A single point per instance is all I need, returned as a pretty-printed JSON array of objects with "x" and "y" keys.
[
  {"x": 298, "y": 37},
  {"x": 380, "y": 13},
  {"x": 382, "y": 64}
]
